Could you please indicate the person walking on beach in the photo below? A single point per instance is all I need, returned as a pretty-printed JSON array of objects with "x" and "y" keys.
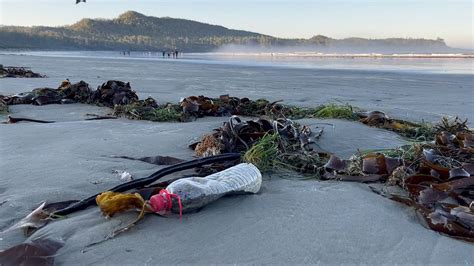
[
  {"x": 176, "y": 52},
  {"x": 164, "y": 53}
]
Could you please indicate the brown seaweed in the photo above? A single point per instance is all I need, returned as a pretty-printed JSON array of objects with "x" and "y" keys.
[
  {"x": 429, "y": 173},
  {"x": 120, "y": 96},
  {"x": 266, "y": 143},
  {"x": 110, "y": 93},
  {"x": 18, "y": 72},
  {"x": 36, "y": 252},
  {"x": 335, "y": 163},
  {"x": 13, "y": 120},
  {"x": 361, "y": 178},
  {"x": 158, "y": 160},
  {"x": 433, "y": 175},
  {"x": 100, "y": 117}
]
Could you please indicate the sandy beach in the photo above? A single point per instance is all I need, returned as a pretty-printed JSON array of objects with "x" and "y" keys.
[
  {"x": 289, "y": 221},
  {"x": 413, "y": 90}
]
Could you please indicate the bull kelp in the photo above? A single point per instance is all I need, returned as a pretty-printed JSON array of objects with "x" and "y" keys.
[
  {"x": 193, "y": 107},
  {"x": 434, "y": 174},
  {"x": 435, "y": 178},
  {"x": 271, "y": 145},
  {"x": 125, "y": 103}
]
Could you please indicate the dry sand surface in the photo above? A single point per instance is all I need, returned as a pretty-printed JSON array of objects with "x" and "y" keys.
[{"x": 289, "y": 221}]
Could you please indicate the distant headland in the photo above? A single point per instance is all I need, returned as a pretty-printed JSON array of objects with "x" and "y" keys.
[{"x": 134, "y": 31}]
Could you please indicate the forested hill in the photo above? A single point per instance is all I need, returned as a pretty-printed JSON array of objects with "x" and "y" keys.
[{"x": 135, "y": 31}]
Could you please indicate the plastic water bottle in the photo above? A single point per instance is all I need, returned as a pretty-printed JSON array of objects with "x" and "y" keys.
[{"x": 192, "y": 193}]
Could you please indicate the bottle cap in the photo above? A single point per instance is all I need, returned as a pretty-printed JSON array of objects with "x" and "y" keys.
[
  {"x": 158, "y": 203},
  {"x": 161, "y": 203}
]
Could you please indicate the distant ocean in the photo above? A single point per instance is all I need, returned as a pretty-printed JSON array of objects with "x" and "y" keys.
[{"x": 423, "y": 63}]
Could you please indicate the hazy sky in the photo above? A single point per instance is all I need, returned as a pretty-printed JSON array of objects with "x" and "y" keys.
[{"x": 448, "y": 19}]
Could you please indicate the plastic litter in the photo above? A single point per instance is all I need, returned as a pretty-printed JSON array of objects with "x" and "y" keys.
[{"x": 189, "y": 194}]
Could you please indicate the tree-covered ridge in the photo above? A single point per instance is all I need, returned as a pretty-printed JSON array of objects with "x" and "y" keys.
[{"x": 135, "y": 31}]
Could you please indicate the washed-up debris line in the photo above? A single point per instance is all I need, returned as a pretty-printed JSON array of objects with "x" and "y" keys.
[
  {"x": 266, "y": 143},
  {"x": 109, "y": 94},
  {"x": 125, "y": 103},
  {"x": 200, "y": 106},
  {"x": 436, "y": 178},
  {"x": 193, "y": 107},
  {"x": 225, "y": 105},
  {"x": 18, "y": 72}
]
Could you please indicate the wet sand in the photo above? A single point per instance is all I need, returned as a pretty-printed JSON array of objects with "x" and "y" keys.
[
  {"x": 411, "y": 95},
  {"x": 289, "y": 221}
]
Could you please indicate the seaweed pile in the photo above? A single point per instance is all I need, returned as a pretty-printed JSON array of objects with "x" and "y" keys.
[
  {"x": 436, "y": 178},
  {"x": 109, "y": 94},
  {"x": 193, "y": 107},
  {"x": 200, "y": 106},
  {"x": 420, "y": 132},
  {"x": 268, "y": 144},
  {"x": 18, "y": 72},
  {"x": 113, "y": 93},
  {"x": 149, "y": 109},
  {"x": 125, "y": 103}
]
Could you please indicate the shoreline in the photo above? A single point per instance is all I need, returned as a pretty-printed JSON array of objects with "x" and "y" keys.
[
  {"x": 260, "y": 54},
  {"x": 412, "y": 92},
  {"x": 348, "y": 55}
]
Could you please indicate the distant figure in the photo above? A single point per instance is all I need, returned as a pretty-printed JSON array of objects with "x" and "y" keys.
[
  {"x": 128, "y": 52},
  {"x": 169, "y": 54},
  {"x": 164, "y": 53},
  {"x": 123, "y": 53},
  {"x": 176, "y": 53}
]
